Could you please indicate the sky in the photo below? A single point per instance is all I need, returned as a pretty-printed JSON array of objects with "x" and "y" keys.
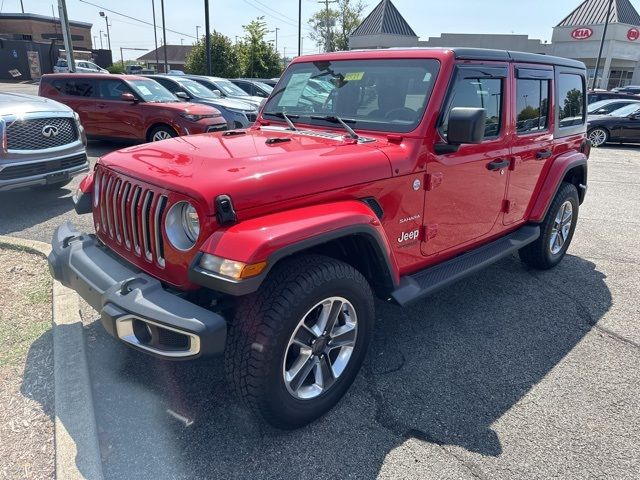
[{"x": 535, "y": 18}]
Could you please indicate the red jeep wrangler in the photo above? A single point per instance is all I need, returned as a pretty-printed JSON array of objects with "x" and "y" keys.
[{"x": 388, "y": 173}]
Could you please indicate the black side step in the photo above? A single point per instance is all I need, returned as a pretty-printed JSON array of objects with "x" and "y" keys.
[{"x": 426, "y": 282}]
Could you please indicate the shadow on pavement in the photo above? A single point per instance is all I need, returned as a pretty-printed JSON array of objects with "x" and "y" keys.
[{"x": 442, "y": 371}]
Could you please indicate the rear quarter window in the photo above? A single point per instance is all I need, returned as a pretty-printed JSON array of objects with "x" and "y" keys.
[{"x": 570, "y": 109}]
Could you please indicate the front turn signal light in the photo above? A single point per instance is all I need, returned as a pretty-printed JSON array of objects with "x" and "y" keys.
[{"x": 231, "y": 268}]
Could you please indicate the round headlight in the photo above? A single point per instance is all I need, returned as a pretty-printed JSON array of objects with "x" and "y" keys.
[{"x": 182, "y": 225}]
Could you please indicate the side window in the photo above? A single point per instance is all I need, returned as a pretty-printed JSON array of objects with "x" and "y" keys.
[
  {"x": 78, "y": 88},
  {"x": 168, "y": 84},
  {"x": 479, "y": 93},
  {"x": 532, "y": 105},
  {"x": 112, "y": 89},
  {"x": 571, "y": 109}
]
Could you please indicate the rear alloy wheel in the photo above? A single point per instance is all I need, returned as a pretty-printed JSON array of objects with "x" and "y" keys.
[
  {"x": 598, "y": 137},
  {"x": 162, "y": 132},
  {"x": 556, "y": 231},
  {"x": 296, "y": 345}
]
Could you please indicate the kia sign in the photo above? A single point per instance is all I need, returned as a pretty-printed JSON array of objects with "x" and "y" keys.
[
  {"x": 581, "y": 33},
  {"x": 633, "y": 34}
]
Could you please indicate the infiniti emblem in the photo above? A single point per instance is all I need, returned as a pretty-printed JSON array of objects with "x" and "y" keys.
[{"x": 49, "y": 131}]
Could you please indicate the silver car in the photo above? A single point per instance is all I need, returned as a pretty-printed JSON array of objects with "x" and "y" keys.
[{"x": 43, "y": 142}]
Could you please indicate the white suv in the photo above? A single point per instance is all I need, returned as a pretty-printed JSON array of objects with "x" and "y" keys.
[{"x": 82, "y": 66}]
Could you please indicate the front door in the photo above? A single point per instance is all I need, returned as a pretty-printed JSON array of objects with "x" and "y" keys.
[
  {"x": 466, "y": 189},
  {"x": 532, "y": 147},
  {"x": 118, "y": 118}
]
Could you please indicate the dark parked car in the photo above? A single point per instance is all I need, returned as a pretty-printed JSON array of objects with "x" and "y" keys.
[
  {"x": 593, "y": 97},
  {"x": 129, "y": 107},
  {"x": 631, "y": 89},
  {"x": 238, "y": 114},
  {"x": 226, "y": 89},
  {"x": 254, "y": 87},
  {"x": 604, "y": 107},
  {"x": 622, "y": 125}
]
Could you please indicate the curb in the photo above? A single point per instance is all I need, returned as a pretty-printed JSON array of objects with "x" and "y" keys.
[{"x": 76, "y": 436}]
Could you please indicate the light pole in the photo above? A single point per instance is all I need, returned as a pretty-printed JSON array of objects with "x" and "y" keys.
[
  {"x": 155, "y": 33},
  {"x": 198, "y": 33},
  {"x": 595, "y": 83},
  {"x": 164, "y": 37},
  {"x": 106, "y": 19},
  {"x": 94, "y": 40},
  {"x": 100, "y": 35},
  {"x": 207, "y": 40},
  {"x": 276, "y": 30},
  {"x": 299, "y": 27}
]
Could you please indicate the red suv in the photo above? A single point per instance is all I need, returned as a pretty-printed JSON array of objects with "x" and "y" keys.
[
  {"x": 129, "y": 107},
  {"x": 387, "y": 173}
]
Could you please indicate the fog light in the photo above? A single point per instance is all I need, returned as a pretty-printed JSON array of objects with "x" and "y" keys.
[{"x": 231, "y": 268}]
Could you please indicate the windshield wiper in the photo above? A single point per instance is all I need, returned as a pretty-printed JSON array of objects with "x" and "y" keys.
[
  {"x": 341, "y": 121},
  {"x": 287, "y": 118}
]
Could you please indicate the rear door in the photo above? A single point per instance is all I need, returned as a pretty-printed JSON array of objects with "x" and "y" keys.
[
  {"x": 466, "y": 188},
  {"x": 532, "y": 145},
  {"x": 79, "y": 94}
]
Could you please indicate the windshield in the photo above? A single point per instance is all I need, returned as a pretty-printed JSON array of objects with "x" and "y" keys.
[
  {"x": 265, "y": 87},
  {"x": 625, "y": 111},
  {"x": 596, "y": 105},
  {"x": 196, "y": 89},
  {"x": 387, "y": 95},
  {"x": 230, "y": 89},
  {"x": 152, "y": 91}
]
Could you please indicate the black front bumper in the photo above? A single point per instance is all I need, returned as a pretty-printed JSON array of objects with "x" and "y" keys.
[{"x": 134, "y": 306}]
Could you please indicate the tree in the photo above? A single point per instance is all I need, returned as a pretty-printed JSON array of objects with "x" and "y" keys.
[
  {"x": 225, "y": 58},
  {"x": 332, "y": 28},
  {"x": 259, "y": 58}
]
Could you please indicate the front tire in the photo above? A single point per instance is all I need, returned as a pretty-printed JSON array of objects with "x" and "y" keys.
[
  {"x": 598, "y": 136},
  {"x": 162, "y": 132},
  {"x": 296, "y": 345},
  {"x": 556, "y": 231}
]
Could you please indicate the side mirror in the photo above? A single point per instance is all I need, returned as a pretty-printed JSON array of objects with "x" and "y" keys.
[
  {"x": 182, "y": 95},
  {"x": 466, "y": 125},
  {"x": 634, "y": 116},
  {"x": 128, "y": 97},
  {"x": 217, "y": 93}
]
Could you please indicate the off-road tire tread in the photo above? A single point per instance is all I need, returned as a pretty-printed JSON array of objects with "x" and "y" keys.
[{"x": 257, "y": 322}]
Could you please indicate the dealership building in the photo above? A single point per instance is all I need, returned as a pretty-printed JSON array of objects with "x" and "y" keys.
[{"x": 577, "y": 36}]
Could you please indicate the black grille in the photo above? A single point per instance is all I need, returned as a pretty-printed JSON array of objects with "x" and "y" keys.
[
  {"x": 30, "y": 134},
  {"x": 39, "y": 168}
]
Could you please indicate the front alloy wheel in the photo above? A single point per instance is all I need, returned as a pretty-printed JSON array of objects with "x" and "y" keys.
[
  {"x": 296, "y": 345},
  {"x": 320, "y": 348}
]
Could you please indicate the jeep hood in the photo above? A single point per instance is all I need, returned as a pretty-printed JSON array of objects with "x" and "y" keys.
[{"x": 255, "y": 168}]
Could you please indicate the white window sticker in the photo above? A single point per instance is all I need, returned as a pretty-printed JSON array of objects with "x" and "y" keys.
[
  {"x": 144, "y": 90},
  {"x": 294, "y": 89}
]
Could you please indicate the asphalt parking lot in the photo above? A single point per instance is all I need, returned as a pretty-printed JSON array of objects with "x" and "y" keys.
[{"x": 511, "y": 373}]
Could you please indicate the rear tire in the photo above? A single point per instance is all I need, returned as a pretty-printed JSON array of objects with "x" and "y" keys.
[
  {"x": 556, "y": 231},
  {"x": 272, "y": 337},
  {"x": 161, "y": 132}
]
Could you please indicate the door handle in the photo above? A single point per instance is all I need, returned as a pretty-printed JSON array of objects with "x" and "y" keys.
[
  {"x": 542, "y": 154},
  {"x": 498, "y": 164},
  {"x": 102, "y": 105}
]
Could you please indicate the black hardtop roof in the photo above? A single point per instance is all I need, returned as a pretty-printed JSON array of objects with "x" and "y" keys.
[{"x": 509, "y": 56}]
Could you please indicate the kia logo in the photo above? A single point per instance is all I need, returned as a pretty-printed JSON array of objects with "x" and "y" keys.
[
  {"x": 49, "y": 131},
  {"x": 582, "y": 33},
  {"x": 633, "y": 34}
]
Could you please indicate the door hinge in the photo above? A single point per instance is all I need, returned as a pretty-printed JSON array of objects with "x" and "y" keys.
[
  {"x": 433, "y": 180},
  {"x": 508, "y": 206},
  {"x": 427, "y": 232}
]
